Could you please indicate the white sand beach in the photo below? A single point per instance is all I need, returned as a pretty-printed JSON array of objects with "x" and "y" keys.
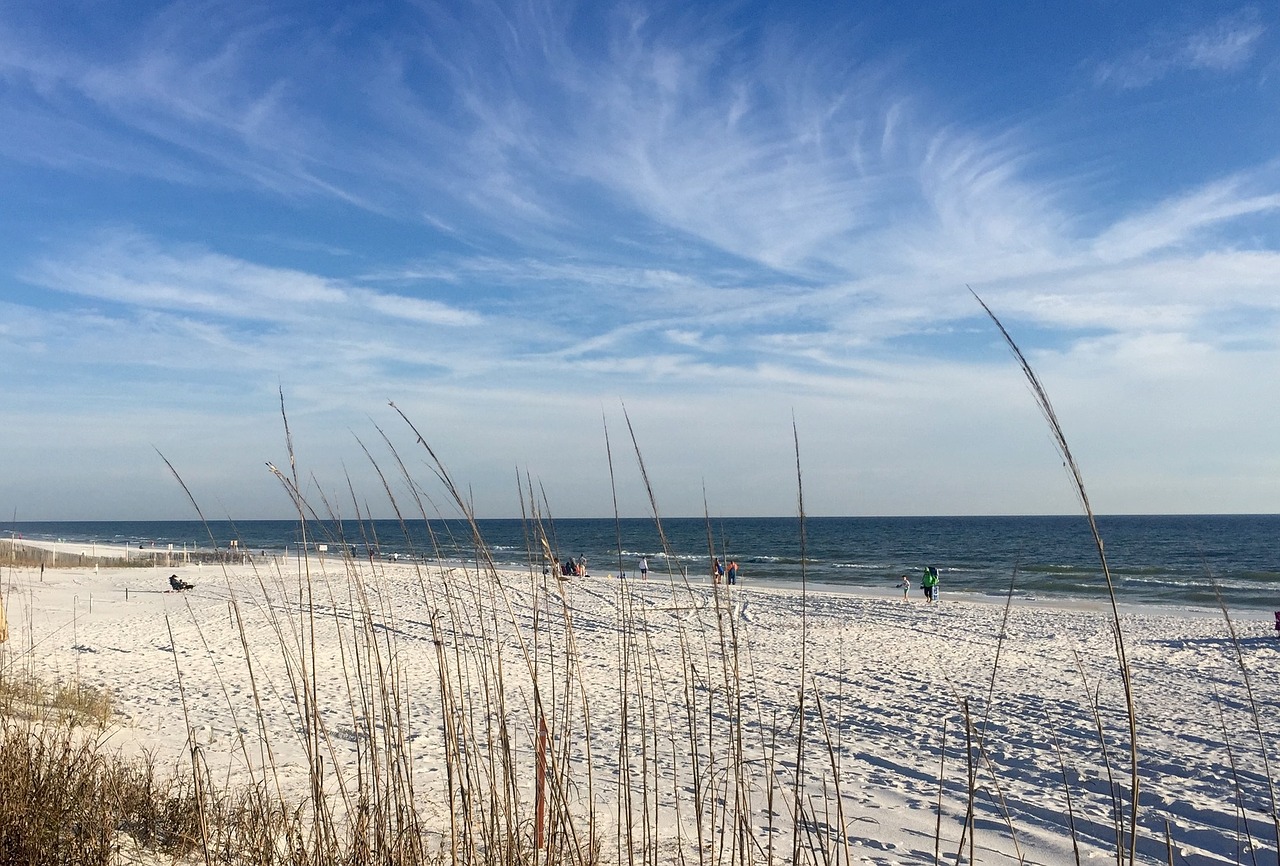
[{"x": 684, "y": 719}]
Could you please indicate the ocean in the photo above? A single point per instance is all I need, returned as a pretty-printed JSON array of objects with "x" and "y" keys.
[{"x": 1179, "y": 560}]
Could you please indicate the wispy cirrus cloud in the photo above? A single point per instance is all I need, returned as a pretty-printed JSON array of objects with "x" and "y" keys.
[
  {"x": 786, "y": 154},
  {"x": 744, "y": 151},
  {"x": 136, "y": 271},
  {"x": 1182, "y": 218},
  {"x": 207, "y": 95},
  {"x": 1223, "y": 45}
]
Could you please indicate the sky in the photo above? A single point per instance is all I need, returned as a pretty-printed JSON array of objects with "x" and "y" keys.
[{"x": 739, "y": 240}]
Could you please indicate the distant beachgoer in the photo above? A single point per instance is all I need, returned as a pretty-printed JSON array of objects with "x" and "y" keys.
[
  {"x": 582, "y": 565},
  {"x": 733, "y": 571},
  {"x": 178, "y": 584},
  {"x": 929, "y": 582},
  {"x": 906, "y": 587},
  {"x": 644, "y": 567},
  {"x": 717, "y": 570}
]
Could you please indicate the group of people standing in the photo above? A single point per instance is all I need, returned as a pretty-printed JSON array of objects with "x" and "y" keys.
[
  {"x": 719, "y": 571},
  {"x": 928, "y": 583}
]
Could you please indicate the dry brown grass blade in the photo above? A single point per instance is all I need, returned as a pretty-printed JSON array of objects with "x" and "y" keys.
[
  {"x": 1066, "y": 787},
  {"x": 197, "y": 774},
  {"x": 942, "y": 767},
  {"x": 804, "y": 657},
  {"x": 1126, "y": 674},
  {"x": 1254, "y": 715},
  {"x": 969, "y": 828},
  {"x": 1242, "y": 814},
  {"x": 653, "y": 499},
  {"x": 613, "y": 491}
]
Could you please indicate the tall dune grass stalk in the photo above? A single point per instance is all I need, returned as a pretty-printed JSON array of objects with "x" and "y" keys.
[
  {"x": 942, "y": 775},
  {"x": 1254, "y": 716},
  {"x": 613, "y": 492},
  {"x": 1066, "y": 787},
  {"x": 804, "y": 658},
  {"x": 834, "y": 764},
  {"x": 623, "y": 596},
  {"x": 969, "y": 829},
  {"x": 1000, "y": 639},
  {"x": 1126, "y": 674},
  {"x": 981, "y": 736},
  {"x": 1242, "y": 814},
  {"x": 197, "y": 771},
  {"x": 1091, "y": 697}
]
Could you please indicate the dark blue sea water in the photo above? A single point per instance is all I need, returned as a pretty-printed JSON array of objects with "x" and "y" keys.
[{"x": 1167, "y": 560}]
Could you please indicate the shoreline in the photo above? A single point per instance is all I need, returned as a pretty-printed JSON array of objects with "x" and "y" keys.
[
  {"x": 1100, "y": 603},
  {"x": 1166, "y": 558}
]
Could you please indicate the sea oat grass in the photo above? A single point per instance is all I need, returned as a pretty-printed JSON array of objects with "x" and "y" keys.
[
  {"x": 23, "y": 696},
  {"x": 66, "y": 798}
]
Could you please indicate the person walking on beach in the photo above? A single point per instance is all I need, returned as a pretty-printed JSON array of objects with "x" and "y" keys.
[
  {"x": 644, "y": 568},
  {"x": 733, "y": 571},
  {"x": 905, "y": 583},
  {"x": 717, "y": 570},
  {"x": 929, "y": 581}
]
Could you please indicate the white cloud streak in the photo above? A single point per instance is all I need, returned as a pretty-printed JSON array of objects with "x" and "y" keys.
[
  {"x": 1221, "y": 46},
  {"x": 129, "y": 269},
  {"x": 1181, "y": 219}
]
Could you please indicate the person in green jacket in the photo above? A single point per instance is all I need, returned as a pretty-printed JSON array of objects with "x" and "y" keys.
[{"x": 929, "y": 582}]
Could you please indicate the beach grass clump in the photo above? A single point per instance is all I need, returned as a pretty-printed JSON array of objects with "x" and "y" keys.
[
  {"x": 66, "y": 798},
  {"x": 25, "y": 696}
]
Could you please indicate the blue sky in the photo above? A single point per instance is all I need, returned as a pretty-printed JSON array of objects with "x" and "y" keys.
[{"x": 515, "y": 219}]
